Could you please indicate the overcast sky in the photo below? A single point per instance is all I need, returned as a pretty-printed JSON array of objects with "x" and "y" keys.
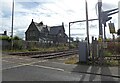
[{"x": 54, "y": 12}]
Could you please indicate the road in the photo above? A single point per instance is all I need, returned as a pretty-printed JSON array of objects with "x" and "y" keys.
[{"x": 22, "y": 68}]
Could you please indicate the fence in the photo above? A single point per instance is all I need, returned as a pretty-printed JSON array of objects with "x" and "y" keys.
[
  {"x": 105, "y": 50},
  {"x": 21, "y": 44},
  {"x": 4, "y": 44}
]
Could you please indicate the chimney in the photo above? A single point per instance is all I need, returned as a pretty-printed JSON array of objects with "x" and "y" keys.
[
  {"x": 63, "y": 24},
  {"x": 32, "y": 20},
  {"x": 5, "y": 32}
]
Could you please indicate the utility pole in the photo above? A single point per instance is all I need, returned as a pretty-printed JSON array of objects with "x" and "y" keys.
[
  {"x": 99, "y": 18},
  {"x": 69, "y": 35},
  {"x": 104, "y": 32},
  {"x": 12, "y": 25},
  {"x": 87, "y": 28},
  {"x": 100, "y": 31}
]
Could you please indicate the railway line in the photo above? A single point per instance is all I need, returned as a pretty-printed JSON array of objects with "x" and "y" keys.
[
  {"x": 51, "y": 55},
  {"x": 56, "y": 55},
  {"x": 116, "y": 57},
  {"x": 47, "y": 55}
]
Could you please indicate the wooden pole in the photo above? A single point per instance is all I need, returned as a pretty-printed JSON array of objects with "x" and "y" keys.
[
  {"x": 12, "y": 25},
  {"x": 87, "y": 28}
]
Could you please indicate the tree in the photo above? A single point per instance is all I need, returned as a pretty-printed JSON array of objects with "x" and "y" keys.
[{"x": 16, "y": 38}]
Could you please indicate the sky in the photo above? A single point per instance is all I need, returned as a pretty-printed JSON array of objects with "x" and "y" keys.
[{"x": 54, "y": 12}]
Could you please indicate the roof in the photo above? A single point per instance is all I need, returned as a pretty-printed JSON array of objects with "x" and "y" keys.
[
  {"x": 54, "y": 30},
  {"x": 39, "y": 26}
]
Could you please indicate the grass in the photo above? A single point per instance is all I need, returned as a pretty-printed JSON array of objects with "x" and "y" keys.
[
  {"x": 41, "y": 49},
  {"x": 112, "y": 63},
  {"x": 71, "y": 60},
  {"x": 74, "y": 60},
  {"x": 15, "y": 51},
  {"x": 107, "y": 53}
]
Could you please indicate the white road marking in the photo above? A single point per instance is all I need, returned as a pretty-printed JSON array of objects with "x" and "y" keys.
[
  {"x": 21, "y": 64},
  {"x": 60, "y": 63},
  {"x": 14, "y": 67},
  {"x": 46, "y": 67}
]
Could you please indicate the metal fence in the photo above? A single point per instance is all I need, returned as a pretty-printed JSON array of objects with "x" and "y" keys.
[{"x": 105, "y": 50}]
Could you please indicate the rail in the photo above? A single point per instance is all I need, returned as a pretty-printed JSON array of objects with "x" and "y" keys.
[{"x": 55, "y": 55}]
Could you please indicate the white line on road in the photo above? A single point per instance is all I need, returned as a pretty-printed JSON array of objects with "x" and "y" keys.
[
  {"x": 60, "y": 63},
  {"x": 46, "y": 67},
  {"x": 14, "y": 67},
  {"x": 23, "y": 65}
]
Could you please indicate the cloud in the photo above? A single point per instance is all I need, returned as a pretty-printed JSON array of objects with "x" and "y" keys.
[
  {"x": 29, "y": 5},
  {"x": 108, "y": 6},
  {"x": 51, "y": 12},
  {"x": 5, "y": 9}
]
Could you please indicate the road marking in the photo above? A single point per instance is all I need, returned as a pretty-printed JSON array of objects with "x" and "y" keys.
[
  {"x": 46, "y": 67},
  {"x": 21, "y": 64},
  {"x": 61, "y": 63},
  {"x": 14, "y": 67}
]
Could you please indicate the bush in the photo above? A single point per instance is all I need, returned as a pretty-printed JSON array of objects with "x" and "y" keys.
[
  {"x": 107, "y": 53},
  {"x": 17, "y": 45},
  {"x": 113, "y": 47},
  {"x": 16, "y": 38},
  {"x": 5, "y": 38}
]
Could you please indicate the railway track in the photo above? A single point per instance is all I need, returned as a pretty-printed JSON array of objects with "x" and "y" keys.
[
  {"x": 112, "y": 57},
  {"x": 47, "y": 55},
  {"x": 55, "y": 55}
]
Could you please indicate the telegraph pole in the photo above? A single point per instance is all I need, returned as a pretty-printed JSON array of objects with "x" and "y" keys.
[
  {"x": 12, "y": 25},
  {"x": 99, "y": 18},
  {"x": 104, "y": 32},
  {"x": 87, "y": 28},
  {"x": 69, "y": 35},
  {"x": 100, "y": 31}
]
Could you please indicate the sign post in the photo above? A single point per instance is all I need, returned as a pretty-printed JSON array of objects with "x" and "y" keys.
[{"x": 111, "y": 27}]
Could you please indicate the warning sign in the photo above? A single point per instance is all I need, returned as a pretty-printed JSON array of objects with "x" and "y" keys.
[{"x": 111, "y": 27}]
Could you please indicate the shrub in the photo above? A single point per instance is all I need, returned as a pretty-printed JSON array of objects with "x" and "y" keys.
[
  {"x": 17, "y": 45},
  {"x": 113, "y": 47},
  {"x": 16, "y": 38},
  {"x": 5, "y": 38}
]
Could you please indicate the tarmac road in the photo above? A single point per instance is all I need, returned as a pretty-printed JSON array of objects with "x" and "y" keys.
[{"x": 21, "y": 68}]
